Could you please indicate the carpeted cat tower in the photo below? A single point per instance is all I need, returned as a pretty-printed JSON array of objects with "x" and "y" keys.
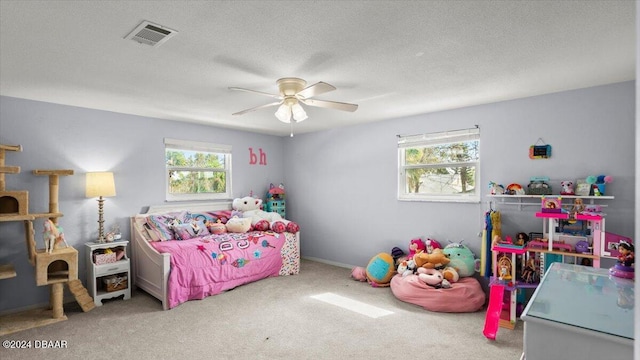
[{"x": 52, "y": 268}]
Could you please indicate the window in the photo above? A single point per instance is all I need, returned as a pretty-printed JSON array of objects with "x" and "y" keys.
[
  {"x": 441, "y": 166},
  {"x": 197, "y": 170}
]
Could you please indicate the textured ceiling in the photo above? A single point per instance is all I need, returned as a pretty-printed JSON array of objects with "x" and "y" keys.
[{"x": 393, "y": 58}]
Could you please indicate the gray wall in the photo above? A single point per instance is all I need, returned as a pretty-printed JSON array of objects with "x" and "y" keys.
[
  {"x": 63, "y": 137},
  {"x": 342, "y": 183}
]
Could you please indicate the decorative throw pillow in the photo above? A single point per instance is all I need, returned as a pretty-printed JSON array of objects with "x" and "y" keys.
[
  {"x": 190, "y": 230},
  {"x": 212, "y": 216},
  {"x": 161, "y": 224}
]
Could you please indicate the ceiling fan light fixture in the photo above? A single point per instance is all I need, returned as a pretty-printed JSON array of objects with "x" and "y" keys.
[
  {"x": 284, "y": 113},
  {"x": 298, "y": 113}
]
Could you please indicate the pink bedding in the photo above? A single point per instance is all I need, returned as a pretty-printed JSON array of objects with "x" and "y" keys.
[
  {"x": 465, "y": 295},
  {"x": 209, "y": 265}
]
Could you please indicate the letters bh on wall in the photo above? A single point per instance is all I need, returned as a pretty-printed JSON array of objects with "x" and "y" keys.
[{"x": 253, "y": 158}]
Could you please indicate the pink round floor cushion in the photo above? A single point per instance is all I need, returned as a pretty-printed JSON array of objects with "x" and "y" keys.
[{"x": 465, "y": 295}]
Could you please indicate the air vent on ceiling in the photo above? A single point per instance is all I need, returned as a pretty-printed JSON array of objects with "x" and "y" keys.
[{"x": 150, "y": 34}]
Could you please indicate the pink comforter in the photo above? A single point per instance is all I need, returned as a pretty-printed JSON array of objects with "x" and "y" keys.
[{"x": 212, "y": 264}]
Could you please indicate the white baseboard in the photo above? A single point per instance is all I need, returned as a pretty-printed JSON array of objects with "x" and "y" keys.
[{"x": 328, "y": 262}]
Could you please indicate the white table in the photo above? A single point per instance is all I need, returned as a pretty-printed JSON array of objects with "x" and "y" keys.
[{"x": 579, "y": 312}]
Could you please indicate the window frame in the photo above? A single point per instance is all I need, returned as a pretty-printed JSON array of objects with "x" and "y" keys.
[
  {"x": 198, "y": 146},
  {"x": 435, "y": 139}
]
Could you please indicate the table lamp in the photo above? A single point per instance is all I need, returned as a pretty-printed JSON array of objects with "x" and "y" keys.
[{"x": 100, "y": 185}]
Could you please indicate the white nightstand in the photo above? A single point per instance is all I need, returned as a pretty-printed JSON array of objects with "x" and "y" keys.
[{"x": 117, "y": 274}]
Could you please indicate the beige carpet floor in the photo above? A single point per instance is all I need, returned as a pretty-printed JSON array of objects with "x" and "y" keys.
[{"x": 274, "y": 318}]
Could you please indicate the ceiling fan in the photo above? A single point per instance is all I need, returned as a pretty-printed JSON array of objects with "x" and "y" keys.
[{"x": 292, "y": 92}]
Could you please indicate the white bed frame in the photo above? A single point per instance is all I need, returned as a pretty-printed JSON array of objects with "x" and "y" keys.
[{"x": 150, "y": 268}]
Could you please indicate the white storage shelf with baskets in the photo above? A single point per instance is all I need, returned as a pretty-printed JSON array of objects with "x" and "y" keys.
[{"x": 108, "y": 270}]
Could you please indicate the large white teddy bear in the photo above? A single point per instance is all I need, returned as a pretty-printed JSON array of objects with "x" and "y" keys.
[{"x": 262, "y": 220}]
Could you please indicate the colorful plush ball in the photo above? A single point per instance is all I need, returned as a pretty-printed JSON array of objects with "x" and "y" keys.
[
  {"x": 380, "y": 270},
  {"x": 591, "y": 179}
]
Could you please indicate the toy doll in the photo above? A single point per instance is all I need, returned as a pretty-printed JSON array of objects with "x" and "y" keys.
[
  {"x": 626, "y": 257},
  {"x": 625, "y": 267},
  {"x": 529, "y": 274},
  {"x": 521, "y": 239}
]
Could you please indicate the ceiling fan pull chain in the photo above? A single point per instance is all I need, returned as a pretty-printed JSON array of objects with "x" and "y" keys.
[{"x": 291, "y": 126}]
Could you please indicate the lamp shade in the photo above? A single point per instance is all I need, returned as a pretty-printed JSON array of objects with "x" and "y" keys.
[{"x": 100, "y": 184}]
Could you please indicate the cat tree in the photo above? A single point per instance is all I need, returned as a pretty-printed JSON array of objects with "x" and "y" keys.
[{"x": 53, "y": 269}]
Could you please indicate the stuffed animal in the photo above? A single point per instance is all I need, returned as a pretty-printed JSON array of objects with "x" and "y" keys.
[
  {"x": 216, "y": 227},
  {"x": 450, "y": 274},
  {"x": 238, "y": 225},
  {"x": 262, "y": 220},
  {"x": 432, "y": 277},
  {"x": 567, "y": 188},
  {"x": 431, "y": 244},
  {"x": 496, "y": 189},
  {"x": 406, "y": 267},
  {"x": 436, "y": 260},
  {"x": 53, "y": 236},
  {"x": 462, "y": 259},
  {"x": 416, "y": 246},
  {"x": 378, "y": 272}
]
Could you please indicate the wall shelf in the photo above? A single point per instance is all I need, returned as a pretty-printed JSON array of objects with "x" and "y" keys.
[{"x": 530, "y": 200}]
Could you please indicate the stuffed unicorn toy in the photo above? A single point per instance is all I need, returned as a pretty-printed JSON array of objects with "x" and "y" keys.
[{"x": 53, "y": 236}]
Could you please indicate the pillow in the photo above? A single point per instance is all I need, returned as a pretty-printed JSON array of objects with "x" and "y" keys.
[
  {"x": 212, "y": 216},
  {"x": 160, "y": 224},
  {"x": 238, "y": 225},
  {"x": 190, "y": 230},
  {"x": 151, "y": 234}
]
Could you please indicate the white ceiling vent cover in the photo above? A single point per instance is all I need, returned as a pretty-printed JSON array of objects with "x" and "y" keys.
[{"x": 151, "y": 34}]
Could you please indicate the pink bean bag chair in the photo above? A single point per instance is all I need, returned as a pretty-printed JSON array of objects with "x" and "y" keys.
[{"x": 466, "y": 295}]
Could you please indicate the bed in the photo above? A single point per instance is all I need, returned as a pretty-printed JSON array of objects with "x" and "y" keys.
[{"x": 176, "y": 271}]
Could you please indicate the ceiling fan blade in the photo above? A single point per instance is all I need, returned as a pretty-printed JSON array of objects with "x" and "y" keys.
[
  {"x": 258, "y": 108},
  {"x": 330, "y": 104},
  {"x": 315, "y": 89},
  {"x": 256, "y": 92}
]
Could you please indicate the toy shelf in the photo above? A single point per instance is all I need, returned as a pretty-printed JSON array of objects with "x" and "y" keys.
[
  {"x": 565, "y": 216},
  {"x": 563, "y": 253},
  {"x": 528, "y": 200}
]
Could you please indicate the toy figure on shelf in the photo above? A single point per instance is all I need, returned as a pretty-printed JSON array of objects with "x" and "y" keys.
[
  {"x": 529, "y": 273},
  {"x": 521, "y": 239},
  {"x": 625, "y": 266},
  {"x": 504, "y": 268},
  {"x": 577, "y": 208},
  {"x": 53, "y": 237}
]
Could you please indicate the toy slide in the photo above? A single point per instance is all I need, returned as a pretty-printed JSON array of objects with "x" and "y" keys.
[{"x": 492, "y": 319}]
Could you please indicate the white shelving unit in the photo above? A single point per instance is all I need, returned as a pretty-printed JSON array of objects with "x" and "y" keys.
[
  {"x": 96, "y": 273},
  {"x": 535, "y": 200}
]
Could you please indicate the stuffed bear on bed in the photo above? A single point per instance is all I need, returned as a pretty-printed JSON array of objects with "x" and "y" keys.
[{"x": 262, "y": 220}]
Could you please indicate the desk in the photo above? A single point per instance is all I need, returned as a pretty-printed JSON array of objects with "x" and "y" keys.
[{"x": 579, "y": 312}]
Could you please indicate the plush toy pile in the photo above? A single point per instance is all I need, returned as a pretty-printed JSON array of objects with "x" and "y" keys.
[
  {"x": 249, "y": 211},
  {"x": 439, "y": 279}
]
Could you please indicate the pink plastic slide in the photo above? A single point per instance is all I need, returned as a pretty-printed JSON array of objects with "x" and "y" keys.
[{"x": 492, "y": 319}]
